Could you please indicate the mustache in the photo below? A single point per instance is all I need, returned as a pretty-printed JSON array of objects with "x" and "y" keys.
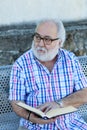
[{"x": 41, "y": 48}]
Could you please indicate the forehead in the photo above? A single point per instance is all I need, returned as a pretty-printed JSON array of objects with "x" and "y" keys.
[{"x": 47, "y": 29}]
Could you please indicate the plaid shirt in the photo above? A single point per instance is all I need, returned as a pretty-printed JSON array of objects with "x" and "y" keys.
[{"x": 32, "y": 83}]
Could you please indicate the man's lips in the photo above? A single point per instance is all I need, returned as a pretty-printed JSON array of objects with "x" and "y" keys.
[{"x": 41, "y": 51}]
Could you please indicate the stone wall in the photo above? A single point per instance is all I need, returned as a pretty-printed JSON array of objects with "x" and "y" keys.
[{"x": 16, "y": 39}]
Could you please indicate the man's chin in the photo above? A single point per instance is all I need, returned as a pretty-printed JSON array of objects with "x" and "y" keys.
[
  {"x": 40, "y": 57},
  {"x": 43, "y": 58}
]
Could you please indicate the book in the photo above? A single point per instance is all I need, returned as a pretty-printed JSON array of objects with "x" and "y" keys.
[{"x": 51, "y": 113}]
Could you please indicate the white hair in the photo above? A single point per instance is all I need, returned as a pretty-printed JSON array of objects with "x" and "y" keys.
[{"x": 60, "y": 28}]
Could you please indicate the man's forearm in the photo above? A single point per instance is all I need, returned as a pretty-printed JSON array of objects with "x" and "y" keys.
[
  {"x": 76, "y": 99},
  {"x": 19, "y": 111}
]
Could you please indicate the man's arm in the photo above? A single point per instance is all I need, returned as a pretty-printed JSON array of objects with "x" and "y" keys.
[
  {"x": 76, "y": 99},
  {"x": 33, "y": 118},
  {"x": 19, "y": 110}
]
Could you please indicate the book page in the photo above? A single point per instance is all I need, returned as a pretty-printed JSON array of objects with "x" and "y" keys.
[
  {"x": 52, "y": 113},
  {"x": 60, "y": 111},
  {"x": 32, "y": 109}
]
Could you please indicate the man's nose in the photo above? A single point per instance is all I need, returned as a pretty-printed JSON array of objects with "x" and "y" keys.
[{"x": 41, "y": 43}]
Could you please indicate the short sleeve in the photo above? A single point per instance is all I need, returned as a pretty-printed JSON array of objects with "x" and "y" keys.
[
  {"x": 17, "y": 85},
  {"x": 80, "y": 80}
]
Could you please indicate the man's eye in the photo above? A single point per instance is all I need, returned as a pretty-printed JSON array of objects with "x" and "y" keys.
[
  {"x": 47, "y": 39},
  {"x": 38, "y": 37}
]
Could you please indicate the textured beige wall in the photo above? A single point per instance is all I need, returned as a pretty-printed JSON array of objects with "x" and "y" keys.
[{"x": 15, "y": 11}]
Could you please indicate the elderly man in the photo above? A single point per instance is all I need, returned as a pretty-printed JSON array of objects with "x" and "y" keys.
[{"x": 48, "y": 77}]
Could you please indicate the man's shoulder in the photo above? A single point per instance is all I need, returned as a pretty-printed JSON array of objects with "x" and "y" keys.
[
  {"x": 67, "y": 53},
  {"x": 25, "y": 59},
  {"x": 26, "y": 55}
]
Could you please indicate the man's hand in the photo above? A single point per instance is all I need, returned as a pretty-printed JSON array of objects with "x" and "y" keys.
[
  {"x": 35, "y": 119},
  {"x": 48, "y": 106},
  {"x": 45, "y": 108}
]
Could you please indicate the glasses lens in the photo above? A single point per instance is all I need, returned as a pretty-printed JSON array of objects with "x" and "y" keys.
[
  {"x": 37, "y": 38},
  {"x": 47, "y": 41}
]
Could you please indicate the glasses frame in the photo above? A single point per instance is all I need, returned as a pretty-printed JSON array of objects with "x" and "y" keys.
[{"x": 43, "y": 38}]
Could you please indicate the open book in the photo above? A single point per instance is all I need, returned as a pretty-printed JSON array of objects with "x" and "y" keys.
[{"x": 52, "y": 113}]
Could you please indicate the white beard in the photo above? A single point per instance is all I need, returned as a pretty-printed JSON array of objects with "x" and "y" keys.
[{"x": 45, "y": 55}]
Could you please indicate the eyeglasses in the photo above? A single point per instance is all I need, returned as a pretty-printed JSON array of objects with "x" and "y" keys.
[{"x": 47, "y": 40}]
